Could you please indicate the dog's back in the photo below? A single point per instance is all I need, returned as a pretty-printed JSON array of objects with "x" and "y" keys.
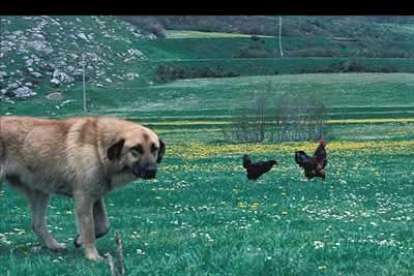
[
  {"x": 2, "y": 159},
  {"x": 2, "y": 154},
  {"x": 35, "y": 152}
]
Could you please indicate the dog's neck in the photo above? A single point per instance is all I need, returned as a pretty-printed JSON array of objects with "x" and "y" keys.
[{"x": 119, "y": 180}]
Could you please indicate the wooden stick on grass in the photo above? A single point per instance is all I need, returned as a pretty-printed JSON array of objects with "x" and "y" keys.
[
  {"x": 121, "y": 267},
  {"x": 111, "y": 264}
]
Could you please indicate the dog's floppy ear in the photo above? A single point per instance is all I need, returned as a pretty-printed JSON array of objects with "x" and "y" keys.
[
  {"x": 115, "y": 150},
  {"x": 161, "y": 151}
]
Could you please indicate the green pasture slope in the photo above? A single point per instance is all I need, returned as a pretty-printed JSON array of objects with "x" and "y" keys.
[{"x": 210, "y": 102}]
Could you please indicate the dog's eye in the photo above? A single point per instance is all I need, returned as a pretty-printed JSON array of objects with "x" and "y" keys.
[
  {"x": 137, "y": 150},
  {"x": 153, "y": 148}
]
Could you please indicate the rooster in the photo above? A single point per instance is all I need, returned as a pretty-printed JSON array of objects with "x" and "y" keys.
[
  {"x": 255, "y": 170},
  {"x": 314, "y": 166}
]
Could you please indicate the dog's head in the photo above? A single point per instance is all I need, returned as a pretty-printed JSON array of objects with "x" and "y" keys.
[{"x": 138, "y": 150}]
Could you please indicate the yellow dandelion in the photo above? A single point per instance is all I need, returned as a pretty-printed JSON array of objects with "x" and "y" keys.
[
  {"x": 322, "y": 267},
  {"x": 255, "y": 206}
]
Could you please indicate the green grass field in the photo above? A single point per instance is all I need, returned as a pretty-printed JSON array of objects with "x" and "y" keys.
[{"x": 203, "y": 217}]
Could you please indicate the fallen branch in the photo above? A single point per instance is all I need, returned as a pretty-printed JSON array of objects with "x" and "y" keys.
[
  {"x": 118, "y": 243},
  {"x": 121, "y": 268},
  {"x": 111, "y": 264}
]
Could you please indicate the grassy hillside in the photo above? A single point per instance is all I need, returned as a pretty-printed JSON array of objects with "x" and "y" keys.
[
  {"x": 307, "y": 35},
  {"x": 310, "y": 46},
  {"x": 264, "y": 25},
  {"x": 120, "y": 56},
  {"x": 347, "y": 95}
]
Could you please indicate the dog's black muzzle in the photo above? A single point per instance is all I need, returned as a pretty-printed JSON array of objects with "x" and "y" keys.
[{"x": 145, "y": 171}]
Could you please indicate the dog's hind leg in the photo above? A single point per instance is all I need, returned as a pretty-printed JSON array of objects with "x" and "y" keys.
[
  {"x": 38, "y": 205},
  {"x": 100, "y": 219},
  {"x": 38, "y": 202}
]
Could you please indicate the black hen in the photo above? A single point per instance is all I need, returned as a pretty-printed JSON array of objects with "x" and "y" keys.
[
  {"x": 255, "y": 170},
  {"x": 314, "y": 166}
]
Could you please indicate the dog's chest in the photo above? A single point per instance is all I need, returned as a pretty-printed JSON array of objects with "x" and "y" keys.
[
  {"x": 122, "y": 179},
  {"x": 65, "y": 190}
]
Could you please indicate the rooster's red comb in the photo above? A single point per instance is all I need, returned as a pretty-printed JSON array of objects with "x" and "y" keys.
[{"x": 322, "y": 141}]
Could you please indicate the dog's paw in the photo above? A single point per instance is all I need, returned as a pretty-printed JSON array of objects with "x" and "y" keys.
[
  {"x": 95, "y": 258},
  {"x": 93, "y": 255},
  {"x": 57, "y": 247}
]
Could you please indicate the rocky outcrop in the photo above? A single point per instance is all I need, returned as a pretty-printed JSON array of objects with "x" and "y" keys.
[
  {"x": 57, "y": 95},
  {"x": 50, "y": 50},
  {"x": 24, "y": 92},
  {"x": 59, "y": 77}
]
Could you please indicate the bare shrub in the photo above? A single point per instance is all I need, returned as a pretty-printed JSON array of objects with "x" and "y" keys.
[
  {"x": 299, "y": 118},
  {"x": 248, "y": 124},
  {"x": 290, "y": 118}
]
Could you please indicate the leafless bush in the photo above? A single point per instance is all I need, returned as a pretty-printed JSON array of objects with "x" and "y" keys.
[
  {"x": 290, "y": 118},
  {"x": 249, "y": 124},
  {"x": 299, "y": 118}
]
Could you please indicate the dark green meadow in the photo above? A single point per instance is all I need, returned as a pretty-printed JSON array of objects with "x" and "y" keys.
[{"x": 201, "y": 216}]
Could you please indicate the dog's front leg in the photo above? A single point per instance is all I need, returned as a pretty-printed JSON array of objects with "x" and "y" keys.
[
  {"x": 100, "y": 220},
  {"x": 84, "y": 217}
]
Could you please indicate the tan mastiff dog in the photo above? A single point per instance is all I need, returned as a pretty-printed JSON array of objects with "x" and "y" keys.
[{"x": 84, "y": 158}]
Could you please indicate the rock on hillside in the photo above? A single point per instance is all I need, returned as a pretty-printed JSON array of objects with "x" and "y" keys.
[{"x": 43, "y": 51}]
